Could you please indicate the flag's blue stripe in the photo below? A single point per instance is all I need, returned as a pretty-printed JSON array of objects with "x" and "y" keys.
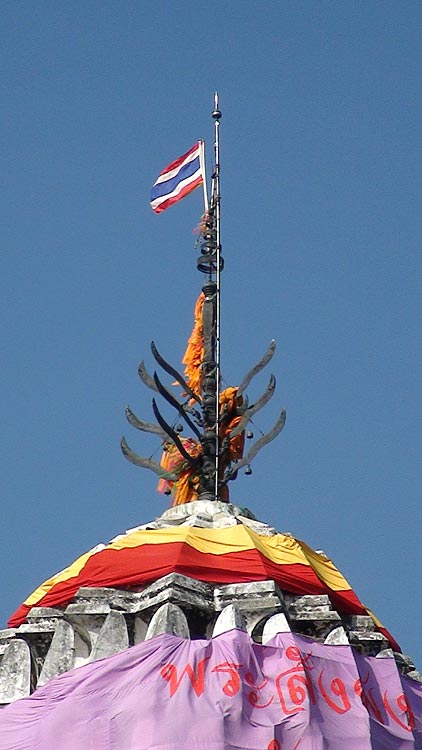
[{"x": 164, "y": 188}]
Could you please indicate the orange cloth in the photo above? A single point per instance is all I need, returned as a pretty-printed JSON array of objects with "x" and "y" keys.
[
  {"x": 237, "y": 443},
  {"x": 184, "y": 489},
  {"x": 194, "y": 354},
  {"x": 228, "y": 396},
  {"x": 229, "y": 401}
]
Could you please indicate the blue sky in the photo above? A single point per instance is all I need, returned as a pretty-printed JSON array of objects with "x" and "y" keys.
[{"x": 321, "y": 240}]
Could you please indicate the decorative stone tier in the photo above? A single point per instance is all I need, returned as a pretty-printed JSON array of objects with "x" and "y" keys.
[{"x": 102, "y": 621}]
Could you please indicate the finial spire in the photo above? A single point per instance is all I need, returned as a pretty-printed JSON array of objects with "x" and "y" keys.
[
  {"x": 211, "y": 263},
  {"x": 216, "y": 113},
  {"x": 216, "y": 198},
  {"x": 201, "y": 466}
]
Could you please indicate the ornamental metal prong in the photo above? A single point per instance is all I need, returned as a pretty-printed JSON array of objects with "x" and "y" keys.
[
  {"x": 173, "y": 436},
  {"x": 175, "y": 403},
  {"x": 259, "y": 404},
  {"x": 257, "y": 368},
  {"x": 174, "y": 373},
  {"x": 144, "y": 426},
  {"x": 145, "y": 463},
  {"x": 146, "y": 377},
  {"x": 264, "y": 440}
]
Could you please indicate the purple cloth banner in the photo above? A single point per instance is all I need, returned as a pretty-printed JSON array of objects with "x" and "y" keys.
[{"x": 224, "y": 694}]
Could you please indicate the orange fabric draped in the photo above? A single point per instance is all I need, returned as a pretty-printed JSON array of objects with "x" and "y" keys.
[
  {"x": 194, "y": 354},
  {"x": 229, "y": 401},
  {"x": 184, "y": 489}
]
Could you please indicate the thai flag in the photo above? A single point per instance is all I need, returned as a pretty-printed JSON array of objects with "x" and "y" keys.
[{"x": 178, "y": 179}]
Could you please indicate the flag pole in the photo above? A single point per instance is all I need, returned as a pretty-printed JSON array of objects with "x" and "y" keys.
[
  {"x": 216, "y": 115},
  {"x": 203, "y": 171}
]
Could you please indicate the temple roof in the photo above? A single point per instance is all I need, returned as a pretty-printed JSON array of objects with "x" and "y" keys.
[
  {"x": 207, "y": 541},
  {"x": 198, "y": 571}
]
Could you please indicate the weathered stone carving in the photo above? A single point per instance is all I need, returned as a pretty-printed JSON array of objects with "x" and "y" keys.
[
  {"x": 61, "y": 654},
  {"x": 169, "y": 618},
  {"x": 337, "y": 637},
  {"x": 15, "y": 672},
  {"x": 230, "y": 617},
  {"x": 112, "y": 638},
  {"x": 255, "y": 601},
  {"x": 275, "y": 624}
]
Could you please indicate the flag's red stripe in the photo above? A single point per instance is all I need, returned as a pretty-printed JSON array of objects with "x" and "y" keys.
[
  {"x": 183, "y": 193},
  {"x": 174, "y": 164}
]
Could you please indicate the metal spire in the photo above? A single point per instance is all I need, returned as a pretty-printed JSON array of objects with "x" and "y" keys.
[
  {"x": 212, "y": 458},
  {"x": 216, "y": 199},
  {"x": 211, "y": 263}
]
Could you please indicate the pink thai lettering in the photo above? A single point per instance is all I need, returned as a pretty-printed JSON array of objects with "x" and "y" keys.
[
  {"x": 232, "y": 686},
  {"x": 403, "y": 705},
  {"x": 338, "y": 689},
  {"x": 197, "y": 679}
]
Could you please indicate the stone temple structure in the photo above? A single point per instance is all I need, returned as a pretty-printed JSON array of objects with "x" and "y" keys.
[
  {"x": 98, "y": 622},
  {"x": 204, "y": 579}
]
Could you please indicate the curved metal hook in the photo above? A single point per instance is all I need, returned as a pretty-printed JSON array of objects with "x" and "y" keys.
[
  {"x": 266, "y": 396},
  {"x": 145, "y": 463},
  {"x": 176, "y": 404},
  {"x": 144, "y": 426},
  {"x": 173, "y": 372},
  {"x": 173, "y": 436},
  {"x": 146, "y": 377},
  {"x": 257, "y": 368},
  {"x": 264, "y": 440}
]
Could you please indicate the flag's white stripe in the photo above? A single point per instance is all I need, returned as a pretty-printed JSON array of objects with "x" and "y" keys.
[
  {"x": 204, "y": 177},
  {"x": 177, "y": 190},
  {"x": 158, "y": 201},
  {"x": 173, "y": 172}
]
